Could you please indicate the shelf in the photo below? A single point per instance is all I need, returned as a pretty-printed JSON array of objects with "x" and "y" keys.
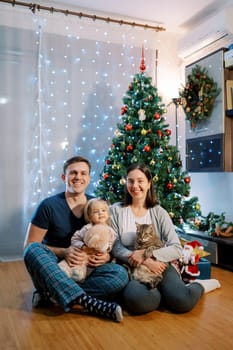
[{"x": 220, "y": 249}]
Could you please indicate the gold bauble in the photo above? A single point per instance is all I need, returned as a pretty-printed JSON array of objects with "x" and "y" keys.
[
  {"x": 143, "y": 132},
  {"x": 198, "y": 207},
  {"x": 122, "y": 181}
]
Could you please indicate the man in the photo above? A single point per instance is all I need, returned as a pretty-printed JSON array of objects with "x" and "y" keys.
[{"x": 48, "y": 241}]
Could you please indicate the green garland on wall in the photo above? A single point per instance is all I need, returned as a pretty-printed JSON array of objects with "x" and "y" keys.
[{"x": 198, "y": 96}]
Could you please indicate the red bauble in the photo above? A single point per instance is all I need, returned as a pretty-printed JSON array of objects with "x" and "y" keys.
[
  {"x": 147, "y": 148},
  {"x": 105, "y": 176},
  {"x": 159, "y": 133},
  {"x": 129, "y": 148},
  {"x": 142, "y": 66},
  {"x": 128, "y": 127},
  {"x": 107, "y": 161},
  {"x": 168, "y": 132},
  {"x": 157, "y": 116},
  {"x": 124, "y": 110},
  {"x": 169, "y": 186},
  {"x": 187, "y": 179}
]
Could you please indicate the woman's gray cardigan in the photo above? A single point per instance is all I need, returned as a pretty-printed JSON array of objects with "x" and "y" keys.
[{"x": 163, "y": 226}]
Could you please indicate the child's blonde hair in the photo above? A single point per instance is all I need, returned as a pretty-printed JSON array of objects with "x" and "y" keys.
[{"x": 89, "y": 206}]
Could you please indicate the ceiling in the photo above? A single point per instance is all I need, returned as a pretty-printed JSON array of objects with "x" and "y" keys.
[{"x": 174, "y": 15}]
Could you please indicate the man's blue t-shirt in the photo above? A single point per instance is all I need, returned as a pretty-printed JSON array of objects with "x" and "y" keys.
[{"x": 54, "y": 215}]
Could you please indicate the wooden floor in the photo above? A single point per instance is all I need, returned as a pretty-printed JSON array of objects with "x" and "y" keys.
[{"x": 209, "y": 326}]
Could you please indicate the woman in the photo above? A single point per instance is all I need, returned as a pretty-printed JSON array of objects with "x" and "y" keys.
[{"x": 140, "y": 205}]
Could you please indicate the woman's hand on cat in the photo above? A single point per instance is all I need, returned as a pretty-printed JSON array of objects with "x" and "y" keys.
[
  {"x": 136, "y": 258},
  {"x": 155, "y": 266}
]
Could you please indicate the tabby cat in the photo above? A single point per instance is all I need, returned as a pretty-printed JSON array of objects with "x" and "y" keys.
[{"x": 148, "y": 240}]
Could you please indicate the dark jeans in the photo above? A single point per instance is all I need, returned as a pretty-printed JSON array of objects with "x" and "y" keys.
[{"x": 172, "y": 293}]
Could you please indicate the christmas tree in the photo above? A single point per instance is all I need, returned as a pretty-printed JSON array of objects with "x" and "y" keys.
[{"x": 143, "y": 136}]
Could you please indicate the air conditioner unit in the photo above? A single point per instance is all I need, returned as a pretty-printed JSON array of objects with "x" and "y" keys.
[{"x": 215, "y": 33}]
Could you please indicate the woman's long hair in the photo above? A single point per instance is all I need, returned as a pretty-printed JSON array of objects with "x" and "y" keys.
[{"x": 151, "y": 198}]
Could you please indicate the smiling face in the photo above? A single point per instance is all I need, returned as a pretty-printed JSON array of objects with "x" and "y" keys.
[
  {"x": 77, "y": 177},
  {"x": 99, "y": 212},
  {"x": 137, "y": 185}
]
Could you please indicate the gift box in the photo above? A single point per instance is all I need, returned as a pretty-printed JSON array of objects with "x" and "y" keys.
[{"x": 204, "y": 266}]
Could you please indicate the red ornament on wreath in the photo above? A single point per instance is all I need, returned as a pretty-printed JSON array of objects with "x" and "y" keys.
[
  {"x": 107, "y": 161},
  {"x": 168, "y": 132},
  {"x": 159, "y": 133},
  {"x": 128, "y": 127},
  {"x": 157, "y": 116},
  {"x": 147, "y": 148},
  {"x": 187, "y": 179}
]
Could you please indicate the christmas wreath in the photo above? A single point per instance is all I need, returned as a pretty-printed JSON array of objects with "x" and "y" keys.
[{"x": 198, "y": 95}]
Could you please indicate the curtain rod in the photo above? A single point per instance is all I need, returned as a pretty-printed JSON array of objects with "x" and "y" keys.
[{"x": 33, "y": 7}]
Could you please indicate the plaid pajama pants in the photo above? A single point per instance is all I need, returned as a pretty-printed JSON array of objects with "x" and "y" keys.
[{"x": 104, "y": 282}]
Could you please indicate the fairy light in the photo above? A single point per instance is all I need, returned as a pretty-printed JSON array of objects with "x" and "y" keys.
[{"x": 80, "y": 95}]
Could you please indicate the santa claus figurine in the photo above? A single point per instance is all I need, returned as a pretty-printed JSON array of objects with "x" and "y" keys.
[{"x": 189, "y": 260}]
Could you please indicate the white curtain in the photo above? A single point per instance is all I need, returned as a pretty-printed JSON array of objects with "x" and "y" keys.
[{"x": 62, "y": 80}]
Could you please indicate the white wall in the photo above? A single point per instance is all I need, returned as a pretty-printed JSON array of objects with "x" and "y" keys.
[{"x": 215, "y": 192}]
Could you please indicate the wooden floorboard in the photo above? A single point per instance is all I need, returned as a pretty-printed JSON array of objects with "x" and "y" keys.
[{"x": 209, "y": 326}]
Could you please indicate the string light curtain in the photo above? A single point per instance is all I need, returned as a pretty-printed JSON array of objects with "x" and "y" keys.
[{"x": 61, "y": 88}]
